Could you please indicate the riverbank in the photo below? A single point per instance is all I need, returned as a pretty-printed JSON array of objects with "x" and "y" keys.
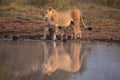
[{"x": 28, "y": 24}]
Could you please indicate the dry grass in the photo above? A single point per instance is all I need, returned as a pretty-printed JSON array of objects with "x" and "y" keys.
[{"x": 100, "y": 15}]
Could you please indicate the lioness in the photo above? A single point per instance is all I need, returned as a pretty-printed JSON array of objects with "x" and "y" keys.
[
  {"x": 58, "y": 58},
  {"x": 63, "y": 19}
]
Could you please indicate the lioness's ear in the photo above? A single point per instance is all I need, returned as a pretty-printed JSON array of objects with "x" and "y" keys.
[{"x": 50, "y": 8}]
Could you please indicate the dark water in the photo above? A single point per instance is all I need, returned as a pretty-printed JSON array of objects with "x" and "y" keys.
[{"x": 27, "y": 60}]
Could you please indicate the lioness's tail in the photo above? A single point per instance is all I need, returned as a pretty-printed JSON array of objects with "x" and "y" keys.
[{"x": 83, "y": 21}]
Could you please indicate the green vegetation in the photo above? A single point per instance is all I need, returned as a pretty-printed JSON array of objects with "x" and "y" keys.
[{"x": 61, "y": 3}]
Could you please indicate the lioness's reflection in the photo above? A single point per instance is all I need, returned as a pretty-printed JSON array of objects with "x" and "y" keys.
[{"x": 58, "y": 57}]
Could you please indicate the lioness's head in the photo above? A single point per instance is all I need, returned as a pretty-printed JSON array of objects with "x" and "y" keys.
[{"x": 47, "y": 14}]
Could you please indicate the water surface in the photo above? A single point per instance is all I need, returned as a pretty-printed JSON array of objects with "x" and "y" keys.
[{"x": 23, "y": 60}]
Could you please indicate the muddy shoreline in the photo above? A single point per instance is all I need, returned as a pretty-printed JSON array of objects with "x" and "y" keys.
[
  {"x": 94, "y": 35},
  {"x": 83, "y": 40}
]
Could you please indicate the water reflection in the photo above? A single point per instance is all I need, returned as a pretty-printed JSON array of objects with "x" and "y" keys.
[
  {"x": 62, "y": 56},
  {"x": 25, "y": 60}
]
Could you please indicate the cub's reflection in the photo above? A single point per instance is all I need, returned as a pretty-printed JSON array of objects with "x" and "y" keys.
[{"x": 62, "y": 56}]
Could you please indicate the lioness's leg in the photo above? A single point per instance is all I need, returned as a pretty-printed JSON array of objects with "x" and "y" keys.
[
  {"x": 55, "y": 33},
  {"x": 45, "y": 32},
  {"x": 75, "y": 36},
  {"x": 54, "y": 36},
  {"x": 74, "y": 32},
  {"x": 79, "y": 33}
]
